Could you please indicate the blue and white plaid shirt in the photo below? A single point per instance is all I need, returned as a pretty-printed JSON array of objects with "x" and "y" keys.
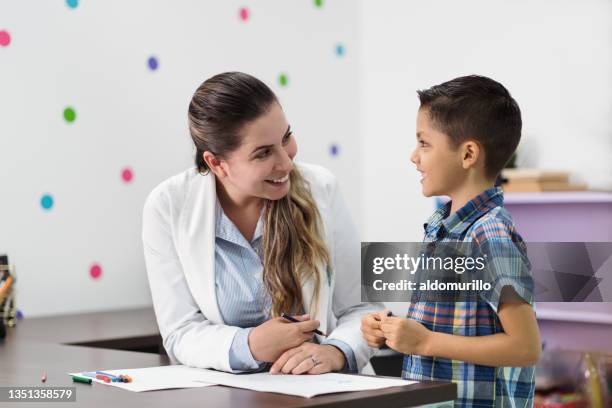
[{"x": 488, "y": 226}]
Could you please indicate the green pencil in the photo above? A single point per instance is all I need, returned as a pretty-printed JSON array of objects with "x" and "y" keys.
[{"x": 78, "y": 378}]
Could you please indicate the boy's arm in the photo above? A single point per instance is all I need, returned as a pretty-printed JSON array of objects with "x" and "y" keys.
[{"x": 518, "y": 346}]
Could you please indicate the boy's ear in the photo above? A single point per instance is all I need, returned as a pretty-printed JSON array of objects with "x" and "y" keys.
[
  {"x": 214, "y": 164},
  {"x": 470, "y": 153}
]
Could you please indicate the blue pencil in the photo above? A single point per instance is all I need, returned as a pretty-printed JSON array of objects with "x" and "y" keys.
[{"x": 114, "y": 378}]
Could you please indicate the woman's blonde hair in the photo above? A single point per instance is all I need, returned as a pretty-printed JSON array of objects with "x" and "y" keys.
[{"x": 293, "y": 245}]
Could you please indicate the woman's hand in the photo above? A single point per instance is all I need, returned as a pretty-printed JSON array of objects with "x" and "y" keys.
[
  {"x": 406, "y": 335},
  {"x": 309, "y": 358},
  {"x": 370, "y": 329},
  {"x": 272, "y": 338}
]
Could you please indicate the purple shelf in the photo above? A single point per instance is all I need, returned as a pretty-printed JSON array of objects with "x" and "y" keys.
[{"x": 558, "y": 197}]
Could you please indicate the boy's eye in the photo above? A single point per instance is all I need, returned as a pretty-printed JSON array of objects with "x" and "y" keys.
[{"x": 422, "y": 143}]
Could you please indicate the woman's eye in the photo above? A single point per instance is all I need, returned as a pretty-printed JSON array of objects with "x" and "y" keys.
[
  {"x": 286, "y": 138},
  {"x": 422, "y": 143},
  {"x": 263, "y": 154}
]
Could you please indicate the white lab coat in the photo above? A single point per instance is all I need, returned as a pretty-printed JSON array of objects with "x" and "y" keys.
[{"x": 179, "y": 247}]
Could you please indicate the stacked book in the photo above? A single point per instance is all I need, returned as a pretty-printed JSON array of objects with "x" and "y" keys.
[{"x": 533, "y": 180}]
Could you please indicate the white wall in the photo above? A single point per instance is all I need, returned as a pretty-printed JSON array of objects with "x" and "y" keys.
[
  {"x": 94, "y": 57},
  {"x": 554, "y": 56}
]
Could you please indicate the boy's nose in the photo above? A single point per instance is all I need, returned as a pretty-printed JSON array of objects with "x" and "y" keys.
[{"x": 414, "y": 157}]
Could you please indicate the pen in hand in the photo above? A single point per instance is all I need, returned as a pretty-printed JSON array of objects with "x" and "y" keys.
[{"x": 294, "y": 320}]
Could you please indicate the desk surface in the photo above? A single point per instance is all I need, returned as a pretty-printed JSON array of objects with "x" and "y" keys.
[{"x": 34, "y": 346}]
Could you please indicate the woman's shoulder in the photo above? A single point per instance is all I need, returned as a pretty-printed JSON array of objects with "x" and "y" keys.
[
  {"x": 319, "y": 178},
  {"x": 171, "y": 192}
]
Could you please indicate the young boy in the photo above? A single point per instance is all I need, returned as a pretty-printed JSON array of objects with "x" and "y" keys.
[{"x": 467, "y": 129}]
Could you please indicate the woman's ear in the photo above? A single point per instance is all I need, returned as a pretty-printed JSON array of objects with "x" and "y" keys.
[
  {"x": 470, "y": 154},
  {"x": 214, "y": 164}
]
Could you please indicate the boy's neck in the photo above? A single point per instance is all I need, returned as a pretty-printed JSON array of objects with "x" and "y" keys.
[{"x": 467, "y": 192}]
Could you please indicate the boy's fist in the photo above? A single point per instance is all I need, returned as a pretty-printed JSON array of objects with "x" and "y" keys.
[
  {"x": 370, "y": 329},
  {"x": 405, "y": 335}
]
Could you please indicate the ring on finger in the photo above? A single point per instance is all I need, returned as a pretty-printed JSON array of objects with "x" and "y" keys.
[{"x": 315, "y": 361}]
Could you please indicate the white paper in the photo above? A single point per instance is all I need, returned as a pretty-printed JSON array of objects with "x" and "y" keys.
[
  {"x": 156, "y": 378},
  {"x": 307, "y": 386}
]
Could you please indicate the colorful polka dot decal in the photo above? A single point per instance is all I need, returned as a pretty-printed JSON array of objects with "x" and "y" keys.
[
  {"x": 340, "y": 50},
  {"x": 244, "y": 14},
  {"x": 127, "y": 174},
  {"x": 153, "y": 63},
  {"x": 95, "y": 271},
  {"x": 69, "y": 114},
  {"x": 19, "y": 315},
  {"x": 283, "y": 80},
  {"x": 148, "y": 62},
  {"x": 5, "y": 38},
  {"x": 46, "y": 202},
  {"x": 334, "y": 150}
]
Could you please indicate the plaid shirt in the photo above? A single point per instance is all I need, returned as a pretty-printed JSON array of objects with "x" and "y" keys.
[{"x": 488, "y": 226}]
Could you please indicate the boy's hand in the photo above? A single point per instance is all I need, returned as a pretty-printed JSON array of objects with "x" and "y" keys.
[
  {"x": 406, "y": 335},
  {"x": 370, "y": 329}
]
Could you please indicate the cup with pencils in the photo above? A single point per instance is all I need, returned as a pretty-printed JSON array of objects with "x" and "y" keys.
[{"x": 7, "y": 301}]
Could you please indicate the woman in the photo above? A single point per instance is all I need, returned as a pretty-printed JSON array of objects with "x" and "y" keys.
[{"x": 247, "y": 236}]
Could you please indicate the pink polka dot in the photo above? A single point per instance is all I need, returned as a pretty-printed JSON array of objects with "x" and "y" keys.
[
  {"x": 5, "y": 38},
  {"x": 95, "y": 271},
  {"x": 127, "y": 174},
  {"x": 244, "y": 14}
]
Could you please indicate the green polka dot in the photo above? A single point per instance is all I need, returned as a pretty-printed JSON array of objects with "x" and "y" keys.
[
  {"x": 318, "y": 3},
  {"x": 69, "y": 114},
  {"x": 283, "y": 80}
]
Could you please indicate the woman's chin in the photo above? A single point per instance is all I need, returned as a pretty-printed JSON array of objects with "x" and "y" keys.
[{"x": 274, "y": 192}]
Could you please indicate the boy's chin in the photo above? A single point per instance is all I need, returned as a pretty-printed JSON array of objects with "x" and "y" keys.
[
  {"x": 431, "y": 192},
  {"x": 427, "y": 192}
]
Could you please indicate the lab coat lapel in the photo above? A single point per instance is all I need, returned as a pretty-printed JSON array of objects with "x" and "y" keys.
[{"x": 197, "y": 238}]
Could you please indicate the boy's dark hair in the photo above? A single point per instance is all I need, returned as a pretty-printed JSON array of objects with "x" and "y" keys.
[{"x": 479, "y": 108}]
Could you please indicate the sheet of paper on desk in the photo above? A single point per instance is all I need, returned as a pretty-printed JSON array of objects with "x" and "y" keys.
[
  {"x": 157, "y": 378},
  {"x": 302, "y": 385},
  {"x": 307, "y": 386}
]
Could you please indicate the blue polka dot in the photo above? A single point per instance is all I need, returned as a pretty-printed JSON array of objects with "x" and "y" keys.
[
  {"x": 19, "y": 315},
  {"x": 72, "y": 3},
  {"x": 153, "y": 63},
  {"x": 334, "y": 150},
  {"x": 46, "y": 202},
  {"x": 340, "y": 50}
]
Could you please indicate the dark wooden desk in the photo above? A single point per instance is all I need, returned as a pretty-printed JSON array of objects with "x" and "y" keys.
[{"x": 63, "y": 344}]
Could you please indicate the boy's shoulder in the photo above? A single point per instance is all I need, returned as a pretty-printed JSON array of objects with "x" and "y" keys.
[{"x": 495, "y": 224}]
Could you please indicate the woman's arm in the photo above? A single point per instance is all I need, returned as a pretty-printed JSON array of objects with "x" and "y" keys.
[{"x": 188, "y": 337}]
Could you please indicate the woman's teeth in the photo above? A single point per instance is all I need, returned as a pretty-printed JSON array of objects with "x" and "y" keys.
[{"x": 280, "y": 180}]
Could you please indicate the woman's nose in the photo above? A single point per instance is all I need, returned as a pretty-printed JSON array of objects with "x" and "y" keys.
[{"x": 285, "y": 162}]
